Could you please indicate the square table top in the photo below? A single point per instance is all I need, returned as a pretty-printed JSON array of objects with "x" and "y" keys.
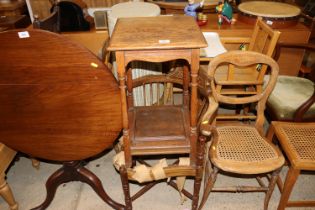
[{"x": 161, "y": 32}]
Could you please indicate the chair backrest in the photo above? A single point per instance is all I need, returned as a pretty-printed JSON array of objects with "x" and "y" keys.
[
  {"x": 155, "y": 90},
  {"x": 73, "y": 15},
  {"x": 49, "y": 23},
  {"x": 242, "y": 59},
  {"x": 57, "y": 100},
  {"x": 264, "y": 40}
]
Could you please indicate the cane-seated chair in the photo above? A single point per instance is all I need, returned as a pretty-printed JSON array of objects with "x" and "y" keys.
[
  {"x": 159, "y": 127},
  {"x": 240, "y": 149},
  {"x": 297, "y": 139}
]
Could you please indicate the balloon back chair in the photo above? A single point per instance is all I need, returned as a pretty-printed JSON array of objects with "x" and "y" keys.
[{"x": 240, "y": 148}]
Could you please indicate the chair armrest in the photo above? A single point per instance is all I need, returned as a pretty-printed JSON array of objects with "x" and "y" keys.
[
  {"x": 206, "y": 129},
  {"x": 206, "y": 123},
  {"x": 298, "y": 115}
]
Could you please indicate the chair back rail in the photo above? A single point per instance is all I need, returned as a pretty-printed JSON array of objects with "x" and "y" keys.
[{"x": 241, "y": 59}]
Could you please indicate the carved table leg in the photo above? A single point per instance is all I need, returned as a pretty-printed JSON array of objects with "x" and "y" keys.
[{"x": 74, "y": 171}]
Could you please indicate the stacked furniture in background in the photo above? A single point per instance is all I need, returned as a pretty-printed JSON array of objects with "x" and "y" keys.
[{"x": 13, "y": 14}]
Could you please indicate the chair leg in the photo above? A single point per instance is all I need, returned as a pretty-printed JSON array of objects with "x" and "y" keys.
[
  {"x": 6, "y": 193},
  {"x": 199, "y": 170},
  {"x": 125, "y": 186},
  {"x": 280, "y": 184},
  {"x": 207, "y": 163},
  {"x": 208, "y": 187},
  {"x": 207, "y": 172},
  {"x": 271, "y": 187},
  {"x": 270, "y": 133},
  {"x": 290, "y": 180}
]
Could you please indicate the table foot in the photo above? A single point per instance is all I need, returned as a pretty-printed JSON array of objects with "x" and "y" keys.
[{"x": 74, "y": 171}]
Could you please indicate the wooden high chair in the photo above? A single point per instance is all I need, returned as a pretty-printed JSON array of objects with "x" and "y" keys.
[{"x": 263, "y": 40}]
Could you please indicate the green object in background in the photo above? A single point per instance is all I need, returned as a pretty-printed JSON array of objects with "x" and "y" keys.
[{"x": 227, "y": 11}]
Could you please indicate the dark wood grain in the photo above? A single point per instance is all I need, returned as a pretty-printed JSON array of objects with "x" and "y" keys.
[{"x": 57, "y": 100}]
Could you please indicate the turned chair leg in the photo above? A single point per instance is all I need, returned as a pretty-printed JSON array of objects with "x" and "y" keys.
[
  {"x": 199, "y": 171},
  {"x": 272, "y": 184},
  {"x": 125, "y": 186},
  {"x": 6, "y": 193},
  {"x": 74, "y": 171}
]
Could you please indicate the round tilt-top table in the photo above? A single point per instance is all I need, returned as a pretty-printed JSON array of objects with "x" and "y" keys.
[
  {"x": 276, "y": 14},
  {"x": 57, "y": 102}
]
